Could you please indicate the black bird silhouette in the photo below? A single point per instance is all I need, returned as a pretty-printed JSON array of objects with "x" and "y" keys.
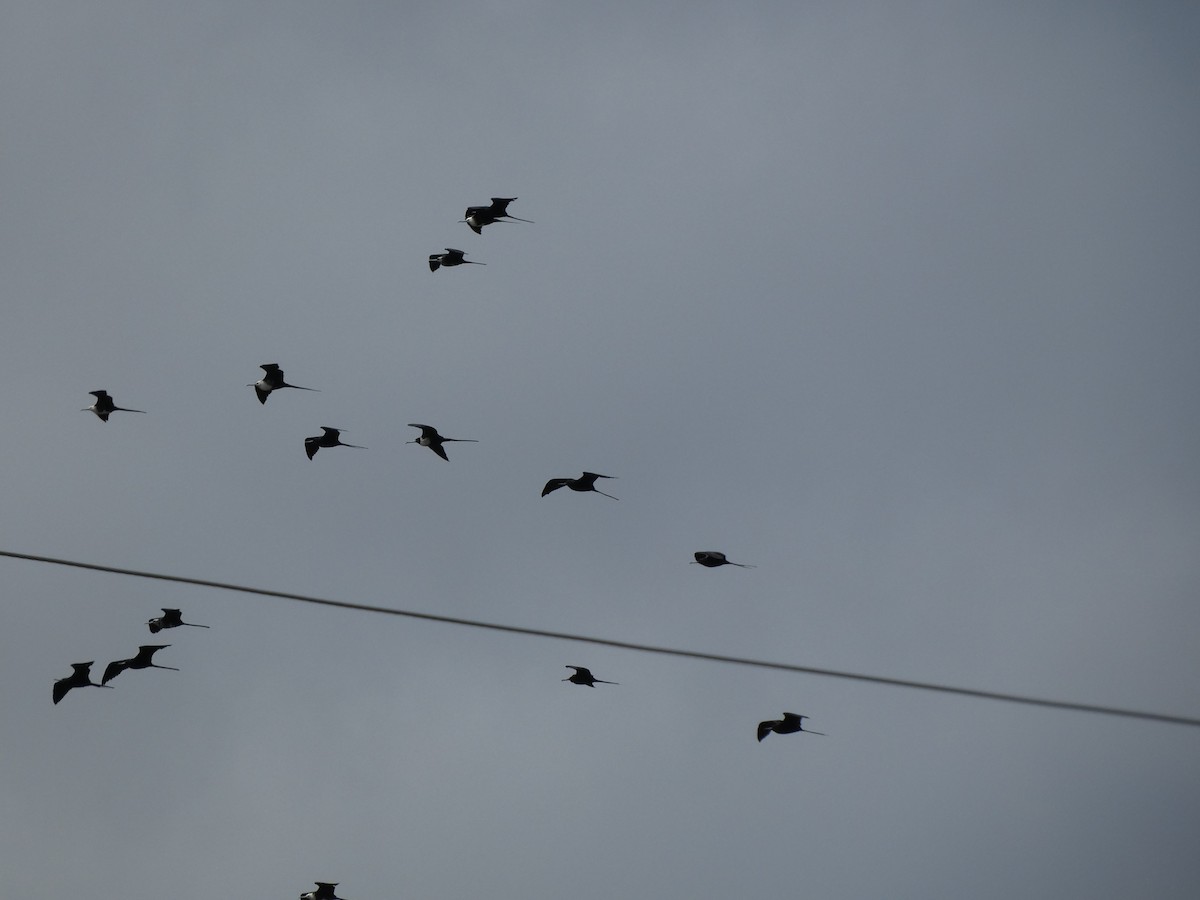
[
  {"x": 713, "y": 558},
  {"x": 789, "y": 724},
  {"x": 584, "y": 676},
  {"x": 479, "y": 216},
  {"x": 80, "y": 677},
  {"x": 143, "y": 660},
  {"x": 324, "y": 891},
  {"x": 272, "y": 380},
  {"x": 451, "y": 257},
  {"x": 330, "y": 438},
  {"x": 171, "y": 618},
  {"x": 431, "y": 439},
  {"x": 585, "y": 482},
  {"x": 104, "y": 406}
]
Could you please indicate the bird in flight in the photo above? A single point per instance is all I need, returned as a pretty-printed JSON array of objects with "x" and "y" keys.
[
  {"x": 330, "y": 438},
  {"x": 789, "y": 724},
  {"x": 143, "y": 660},
  {"x": 451, "y": 257},
  {"x": 80, "y": 677},
  {"x": 324, "y": 891},
  {"x": 713, "y": 558},
  {"x": 272, "y": 380},
  {"x": 171, "y": 618},
  {"x": 431, "y": 439},
  {"x": 585, "y": 482},
  {"x": 104, "y": 406},
  {"x": 479, "y": 216},
  {"x": 584, "y": 676}
]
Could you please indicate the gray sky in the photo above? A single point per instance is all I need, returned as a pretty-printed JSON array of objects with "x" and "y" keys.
[{"x": 898, "y": 304}]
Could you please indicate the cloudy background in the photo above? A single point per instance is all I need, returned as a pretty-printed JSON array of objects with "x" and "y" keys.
[{"x": 897, "y": 302}]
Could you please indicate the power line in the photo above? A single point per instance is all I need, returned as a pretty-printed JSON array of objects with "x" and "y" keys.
[{"x": 624, "y": 645}]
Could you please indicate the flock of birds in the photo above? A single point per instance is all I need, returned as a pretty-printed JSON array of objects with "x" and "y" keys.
[
  {"x": 81, "y": 673},
  {"x": 477, "y": 218}
]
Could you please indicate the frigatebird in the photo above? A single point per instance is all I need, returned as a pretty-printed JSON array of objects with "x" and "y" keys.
[
  {"x": 713, "y": 558},
  {"x": 451, "y": 257},
  {"x": 330, "y": 438},
  {"x": 324, "y": 891},
  {"x": 479, "y": 216},
  {"x": 104, "y": 406},
  {"x": 171, "y": 618},
  {"x": 431, "y": 439},
  {"x": 585, "y": 482},
  {"x": 143, "y": 660},
  {"x": 584, "y": 676},
  {"x": 272, "y": 380},
  {"x": 80, "y": 677},
  {"x": 789, "y": 724}
]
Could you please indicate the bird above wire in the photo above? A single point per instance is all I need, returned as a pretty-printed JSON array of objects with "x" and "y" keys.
[
  {"x": 585, "y": 482},
  {"x": 104, "y": 406}
]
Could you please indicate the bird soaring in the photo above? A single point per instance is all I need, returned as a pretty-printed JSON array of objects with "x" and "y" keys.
[
  {"x": 451, "y": 257},
  {"x": 330, "y": 438},
  {"x": 104, "y": 406},
  {"x": 713, "y": 558},
  {"x": 143, "y": 660},
  {"x": 431, "y": 439},
  {"x": 789, "y": 724},
  {"x": 584, "y": 676},
  {"x": 585, "y": 482},
  {"x": 324, "y": 891},
  {"x": 479, "y": 216},
  {"x": 272, "y": 380},
  {"x": 81, "y": 676},
  {"x": 171, "y": 618}
]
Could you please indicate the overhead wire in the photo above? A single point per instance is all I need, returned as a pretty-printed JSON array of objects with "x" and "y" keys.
[{"x": 624, "y": 645}]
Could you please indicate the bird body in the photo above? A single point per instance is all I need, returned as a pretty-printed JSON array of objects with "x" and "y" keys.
[
  {"x": 712, "y": 558},
  {"x": 143, "y": 660},
  {"x": 81, "y": 676},
  {"x": 171, "y": 618},
  {"x": 431, "y": 439},
  {"x": 585, "y": 482},
  {"x": 451, "y": 257},
  {"x": 104, "y": 406},
  {"x": 585, "y": 677},
  {"x": 272, "y": 380},
  {"x": 479, "y": 216},
  {"x": 330, "y": 437},
  {"x": 789, "y": 724},
  {"x": 324, "y": 891}
]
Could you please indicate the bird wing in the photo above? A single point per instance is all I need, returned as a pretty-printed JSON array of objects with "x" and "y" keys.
[
  {"x": 60, "y": 689},
  {"x": 262, "y": 394},
  {"x": 113, "y": 669},
  {"x": 765, "y": 728},
  {"x": 553, "y": 485},
  {"x": 311, "y": 446},
  {"x": 427, "y": 431},
  {"x": 435, "y": 261},
  {"x": 146, "y": 651},
  {"x": 440, "y": 451}
]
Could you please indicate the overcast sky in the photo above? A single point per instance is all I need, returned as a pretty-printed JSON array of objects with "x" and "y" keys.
[{"x": 896, "y": 302}]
